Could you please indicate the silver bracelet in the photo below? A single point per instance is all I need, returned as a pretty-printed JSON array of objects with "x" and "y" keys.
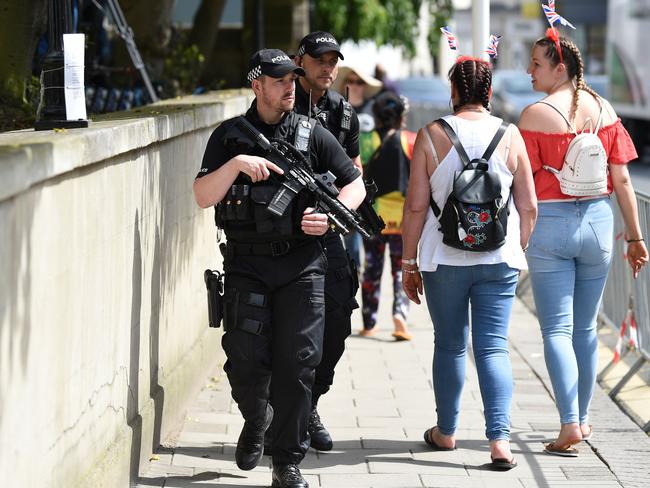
[
  {"x": 411, "y": 261},
  {"x": 410, "y": 271}
]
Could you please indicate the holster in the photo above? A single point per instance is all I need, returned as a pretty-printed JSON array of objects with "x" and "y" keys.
[{"x": 214, "y": 284}]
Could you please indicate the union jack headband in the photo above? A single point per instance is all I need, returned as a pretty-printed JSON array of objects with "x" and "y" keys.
[
  {"x": 553, "y": 17},
  {"x": 491, "y": 49},
  {"x": 451, "y": 38}
]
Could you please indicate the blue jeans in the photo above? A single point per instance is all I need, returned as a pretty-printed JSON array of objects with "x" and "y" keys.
[
  {"x": 568, "y": 259},
  {"x": 490, "y": 288}
]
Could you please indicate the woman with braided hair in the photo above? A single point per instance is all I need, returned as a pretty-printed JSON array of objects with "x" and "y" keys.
[
  {"x": 571, "y": 247},
  {"x": 453, "y": 278}
]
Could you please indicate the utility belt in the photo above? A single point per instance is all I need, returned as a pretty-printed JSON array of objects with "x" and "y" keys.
[{"x": 274, "y": 249}]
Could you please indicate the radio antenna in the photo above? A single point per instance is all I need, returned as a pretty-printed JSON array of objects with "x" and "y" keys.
[{"x": 309, "y": 110}]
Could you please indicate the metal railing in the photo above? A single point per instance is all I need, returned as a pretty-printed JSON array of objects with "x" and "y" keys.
[{"x": 625, "y": 296}]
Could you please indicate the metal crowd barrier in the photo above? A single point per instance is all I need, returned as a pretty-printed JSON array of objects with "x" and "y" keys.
[{"x": 623, "y": 295}]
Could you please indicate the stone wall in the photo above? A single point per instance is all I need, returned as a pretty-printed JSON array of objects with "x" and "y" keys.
[{"x": 103, "y": 319}]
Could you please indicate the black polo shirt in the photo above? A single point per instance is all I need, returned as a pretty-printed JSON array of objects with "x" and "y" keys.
[{"x": 330, "y": 104}]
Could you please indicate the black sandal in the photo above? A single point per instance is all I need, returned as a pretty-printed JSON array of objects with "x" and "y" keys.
[
  {"x": 429, "y": 440},
  {"x": 503, "y": 464}
]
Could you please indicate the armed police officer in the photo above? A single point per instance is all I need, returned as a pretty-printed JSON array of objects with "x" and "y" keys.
[
  {"x": 318, "y": 54},
  {"x": 274, "y": 265}
]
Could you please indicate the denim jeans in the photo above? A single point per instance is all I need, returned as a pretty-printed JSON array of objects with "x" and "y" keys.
[
  {"x": 568, "y": 258},
  {"x": 490, "y": 289}
]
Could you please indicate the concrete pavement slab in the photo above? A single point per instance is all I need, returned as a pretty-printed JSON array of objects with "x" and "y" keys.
[{"x": 380, "y": 405}]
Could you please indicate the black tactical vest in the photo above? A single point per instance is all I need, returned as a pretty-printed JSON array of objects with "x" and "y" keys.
[
  {"x": 242, "y": 213},
  {"x": 334, "y": 112}
]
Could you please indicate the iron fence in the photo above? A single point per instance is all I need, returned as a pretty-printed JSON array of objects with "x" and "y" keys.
[{"x": 622, "y": 292}]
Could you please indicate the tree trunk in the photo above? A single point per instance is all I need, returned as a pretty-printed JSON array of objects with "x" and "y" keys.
[
  {"x": 151, "y": 21},
  {"x": 206, "y": 26},
  {"x": 24, "y": 21}
]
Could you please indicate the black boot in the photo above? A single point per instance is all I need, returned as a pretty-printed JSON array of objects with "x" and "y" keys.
[
  {"x": 320, "y": 438},
  {"x": 288, "y": 476},
  {"x": 250, "y": 445}
]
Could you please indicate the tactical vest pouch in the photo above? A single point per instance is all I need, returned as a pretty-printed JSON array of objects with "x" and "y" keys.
[
  {"x": 236, "y": 205},
  {"x": 265, "y": 221}
]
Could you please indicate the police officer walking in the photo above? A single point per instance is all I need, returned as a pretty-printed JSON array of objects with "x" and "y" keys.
[
  {"x": 318, "y": 54},
  {"x": 274, "y": 267}
]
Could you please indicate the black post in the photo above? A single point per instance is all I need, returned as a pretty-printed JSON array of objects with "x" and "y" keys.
[
  {"x": 51, "y": 108},
  {"x": 260, "y": 42},
  {"x": 312, "y": 15}
]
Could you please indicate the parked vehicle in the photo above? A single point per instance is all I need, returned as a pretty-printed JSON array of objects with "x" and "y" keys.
[
  {"x": 428, "y": 99},
  {"x": 512, "y": 91},
  {"x": 628, "y": 68}
]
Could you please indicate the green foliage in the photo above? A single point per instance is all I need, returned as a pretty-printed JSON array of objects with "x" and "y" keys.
[
  {"x": 393, "y": 22},
  {"x": 183, "y": 67},
  {"x": 20, "y": 112},
  {"x": 440, "y": 11}
]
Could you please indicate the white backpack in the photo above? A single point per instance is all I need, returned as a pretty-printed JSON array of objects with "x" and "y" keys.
[{"x": 584, "y": 172}]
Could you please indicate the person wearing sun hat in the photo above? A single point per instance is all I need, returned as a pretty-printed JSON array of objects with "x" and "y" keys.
[
  {"x": 274, "y": 267},
  {"x": 361, "y": 89}
]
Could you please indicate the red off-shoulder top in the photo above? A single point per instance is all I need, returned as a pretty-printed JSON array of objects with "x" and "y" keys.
[{"x": 549, "y": 149}]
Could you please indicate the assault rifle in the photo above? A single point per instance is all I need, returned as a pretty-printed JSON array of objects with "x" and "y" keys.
[{"x": 298, "y": 176}]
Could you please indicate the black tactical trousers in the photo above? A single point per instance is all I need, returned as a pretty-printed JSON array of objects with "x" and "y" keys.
[
  {"x": 341, "y": 284},
  {"x": 273, "y": 317}
]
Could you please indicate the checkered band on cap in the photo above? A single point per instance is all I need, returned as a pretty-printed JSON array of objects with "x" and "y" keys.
[
  {"x": 301, "y": 50},
  {"x": 256, "y": 72}
]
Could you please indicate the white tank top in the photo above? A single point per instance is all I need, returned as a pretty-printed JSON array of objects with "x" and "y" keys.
[{"x": 475, "y": 136}]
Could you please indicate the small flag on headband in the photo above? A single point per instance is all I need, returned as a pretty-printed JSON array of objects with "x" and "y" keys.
[
  {"x": 451, "y": 39},
  {"x": 553, "y": 17},
  {"x": 492, "y": 46}
]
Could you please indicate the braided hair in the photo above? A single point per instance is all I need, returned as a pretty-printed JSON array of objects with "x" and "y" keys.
[
  {"x": 472, "y": 78},
  {"x": 573, "y": 61}
]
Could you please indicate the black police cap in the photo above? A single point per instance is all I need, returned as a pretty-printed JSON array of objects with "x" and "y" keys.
[
  {"x": 271, "y": 62},
  {"x": 318, "y": 43}
]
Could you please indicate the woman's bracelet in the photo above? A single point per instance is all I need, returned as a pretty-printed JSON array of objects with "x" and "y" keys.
[
  {"x": 410, "y": 271},
  {"x": 411, "y": 261},
  {"x": 634, "y": 240}
]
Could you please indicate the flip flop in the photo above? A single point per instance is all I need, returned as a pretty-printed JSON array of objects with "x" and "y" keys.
[
  {"x": 566, "y": 451},
  {"x": 367, "y": 332},
  {"x": 503, "y": 464},
  {"x": 588, "y": 436},
  {"x": 400, "y": 335},
  {"x": 432, "y": 444}
]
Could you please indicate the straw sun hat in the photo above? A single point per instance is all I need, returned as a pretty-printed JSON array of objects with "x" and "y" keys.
[{"x": 371, "y": 88}]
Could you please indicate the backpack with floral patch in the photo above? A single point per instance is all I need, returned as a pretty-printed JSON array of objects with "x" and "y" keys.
[{"x": 475, "y": 217}]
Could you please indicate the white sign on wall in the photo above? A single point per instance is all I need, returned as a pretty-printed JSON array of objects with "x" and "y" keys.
[{"x": 73, "y": 76}]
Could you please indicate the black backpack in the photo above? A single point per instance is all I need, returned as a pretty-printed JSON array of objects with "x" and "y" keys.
[{"x": 475, "y": 217}]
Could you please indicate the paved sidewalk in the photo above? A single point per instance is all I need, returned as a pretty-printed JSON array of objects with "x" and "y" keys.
[{"x": 381, "y": 403}]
